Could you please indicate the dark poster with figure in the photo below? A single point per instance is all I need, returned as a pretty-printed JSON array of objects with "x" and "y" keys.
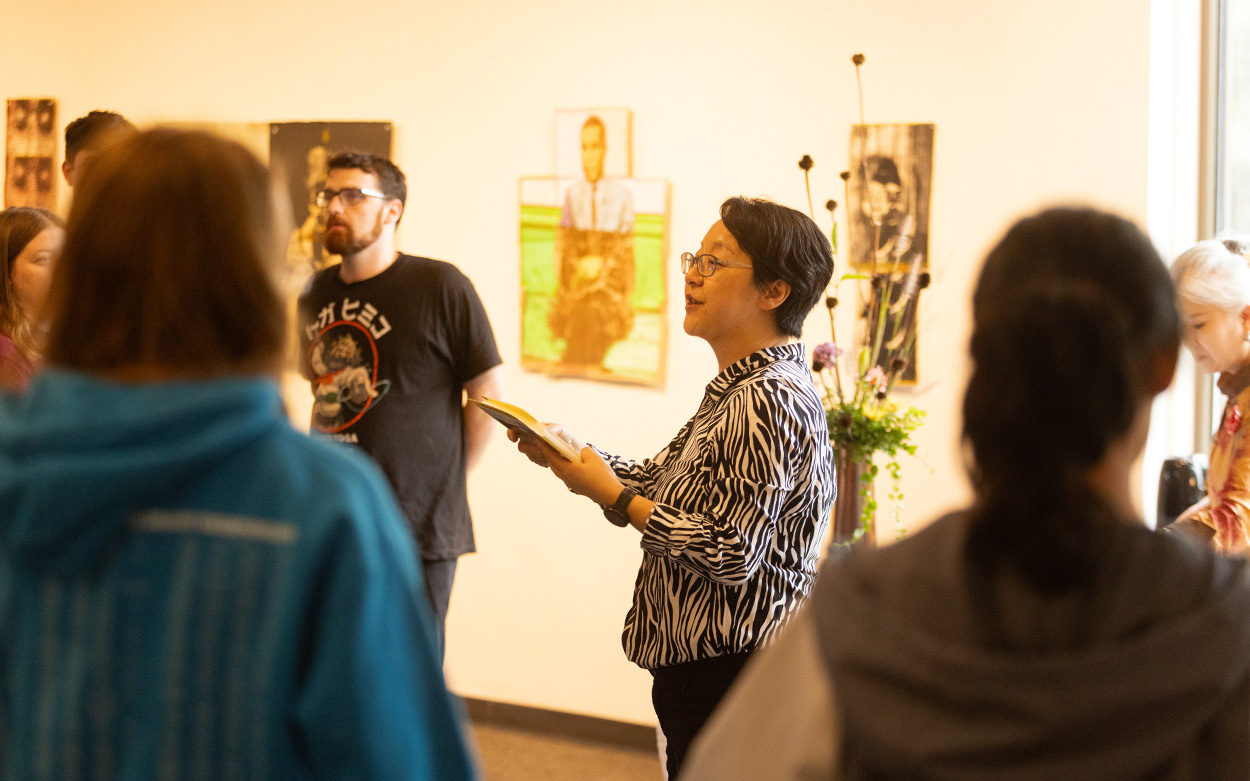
[
  {"x": 298, "y": 155},
  {"x": 30, "y": 152},
  {"x": 888, "y": 194}
]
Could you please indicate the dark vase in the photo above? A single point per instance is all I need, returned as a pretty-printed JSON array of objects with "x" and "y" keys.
[{"x": 848, "y": 508}]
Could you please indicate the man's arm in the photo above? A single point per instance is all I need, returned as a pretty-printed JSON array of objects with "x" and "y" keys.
[{"x": 478, "y": 426}]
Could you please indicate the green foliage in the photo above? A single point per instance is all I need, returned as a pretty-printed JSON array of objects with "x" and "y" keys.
[{"x": 862, "y": 432}]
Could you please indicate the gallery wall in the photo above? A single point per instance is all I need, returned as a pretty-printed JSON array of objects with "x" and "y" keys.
[{"x": 1034, "y": 104}]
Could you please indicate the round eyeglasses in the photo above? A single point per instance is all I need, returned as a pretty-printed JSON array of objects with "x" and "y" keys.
[
  {"x": 351, "y": 196},
  {"x": 707, "y": 264}
]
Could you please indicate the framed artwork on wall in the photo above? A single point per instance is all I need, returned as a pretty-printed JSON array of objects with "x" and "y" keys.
[
  {"x": 888, "y": 193},
  {"x": 592, "y": 258},
  {"x": 30, "y": 152},
  {"x": 888, "y": 210}
]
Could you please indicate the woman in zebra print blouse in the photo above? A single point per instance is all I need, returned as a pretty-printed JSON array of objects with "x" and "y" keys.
[
  {"x": 1043, "y": 632},
  {"x": 733, "y": 510}
]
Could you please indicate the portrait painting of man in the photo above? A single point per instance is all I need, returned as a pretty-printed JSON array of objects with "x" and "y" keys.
[
  {"x": 592, "y": 253},
  {"x": 30, "y": 149},
  {"x": 594, "y": 258},
  {"x": 888, "y": 210}
]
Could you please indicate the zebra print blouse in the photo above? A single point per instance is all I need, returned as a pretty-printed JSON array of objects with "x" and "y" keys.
[{"x": 743, "y": 495}]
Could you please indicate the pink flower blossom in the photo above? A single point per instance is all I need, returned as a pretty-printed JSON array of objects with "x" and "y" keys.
[
  {"x": 825, "y": 354},
  {"x": 876, "y": 376}
]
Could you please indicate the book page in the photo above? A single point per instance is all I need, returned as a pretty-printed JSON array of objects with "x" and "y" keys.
[{"x": 514, "y": 417}]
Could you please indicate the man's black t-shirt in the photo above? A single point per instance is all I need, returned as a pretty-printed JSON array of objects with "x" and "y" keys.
[{"x": 387, "y": 358}]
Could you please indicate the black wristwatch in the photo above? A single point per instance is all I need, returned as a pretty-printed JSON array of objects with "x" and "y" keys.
[{"x": 618, "y": 513}]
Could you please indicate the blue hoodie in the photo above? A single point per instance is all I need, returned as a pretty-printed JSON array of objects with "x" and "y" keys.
[{"x": 189, "y": 588}]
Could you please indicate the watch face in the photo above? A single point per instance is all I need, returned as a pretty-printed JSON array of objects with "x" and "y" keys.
[{"x": 616, "y": 516}]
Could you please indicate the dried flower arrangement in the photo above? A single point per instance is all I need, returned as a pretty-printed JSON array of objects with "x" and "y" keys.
[{"x": 856, "y": 383}]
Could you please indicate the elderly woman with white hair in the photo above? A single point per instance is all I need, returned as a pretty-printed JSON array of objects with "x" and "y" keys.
[{"x": 1213, "y": 295}]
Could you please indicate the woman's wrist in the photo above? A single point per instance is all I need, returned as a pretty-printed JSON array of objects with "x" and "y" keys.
[{"x": 609, "y": 493}]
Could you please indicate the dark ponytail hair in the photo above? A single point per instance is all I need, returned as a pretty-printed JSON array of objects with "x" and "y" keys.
[{"x": 1072, "y": 311}]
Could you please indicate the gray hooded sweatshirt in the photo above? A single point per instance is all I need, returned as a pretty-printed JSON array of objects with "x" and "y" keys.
[{"x": 931, "y": 673}]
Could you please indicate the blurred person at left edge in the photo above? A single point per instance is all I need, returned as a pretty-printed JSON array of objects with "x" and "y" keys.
[{"x": 189, "y": 588}]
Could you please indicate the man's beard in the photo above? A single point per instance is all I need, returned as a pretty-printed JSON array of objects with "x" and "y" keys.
[{"x": 348, "y": 243}]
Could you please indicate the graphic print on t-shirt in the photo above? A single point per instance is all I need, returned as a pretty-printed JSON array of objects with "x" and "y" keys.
[{"x": 344, "y": 360}]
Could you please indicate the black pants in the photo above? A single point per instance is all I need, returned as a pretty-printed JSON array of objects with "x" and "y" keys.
[
  {"x": 438, "y": 578},
  {"x": 684, "y": 696}
]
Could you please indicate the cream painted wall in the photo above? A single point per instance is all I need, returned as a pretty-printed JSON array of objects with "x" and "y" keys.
[{"x": 1034, "y": 104}]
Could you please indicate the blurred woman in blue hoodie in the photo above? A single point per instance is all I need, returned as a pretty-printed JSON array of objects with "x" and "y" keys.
[{"x": 189, "y": 588}]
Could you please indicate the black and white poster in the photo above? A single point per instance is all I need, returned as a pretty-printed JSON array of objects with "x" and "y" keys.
[{"x": 891, "y": 180}]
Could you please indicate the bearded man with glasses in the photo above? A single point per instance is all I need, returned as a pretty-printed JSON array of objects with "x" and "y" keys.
[{"x": 389, "y": 342}]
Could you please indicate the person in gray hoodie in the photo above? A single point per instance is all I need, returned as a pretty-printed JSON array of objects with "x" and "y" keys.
[{"x": 1044, "y": 632}]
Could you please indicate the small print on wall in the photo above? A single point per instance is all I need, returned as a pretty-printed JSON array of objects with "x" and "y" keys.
[
  {"x": 891, "y": 179},
  {"x": 593, "y": 242},
  {"x": 298, "y": 156},
  {"x": 30, "y": 151}
]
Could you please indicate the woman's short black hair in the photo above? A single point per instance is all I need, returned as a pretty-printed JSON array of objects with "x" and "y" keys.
[{"x": 784, "y": 244}]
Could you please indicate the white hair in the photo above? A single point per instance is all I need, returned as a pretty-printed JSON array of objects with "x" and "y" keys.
[{"x": 1214, "y": 272}]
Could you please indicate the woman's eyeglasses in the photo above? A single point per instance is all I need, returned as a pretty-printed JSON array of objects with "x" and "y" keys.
[{"x": 706, "y": 264}]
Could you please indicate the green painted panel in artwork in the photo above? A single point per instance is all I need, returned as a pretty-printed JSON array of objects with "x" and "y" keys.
[
  {"x": 538, "y": 267},
  {"x": 537, "y": 342},
  {"x": 648, "y": 268},
  {"x": 539, "y": 217},
  {"x": 538, "y": 255},
  {"x": 538, "y": 238},
  {"x": 650, "y": 226},
  {"x": 639, "y": 355}
]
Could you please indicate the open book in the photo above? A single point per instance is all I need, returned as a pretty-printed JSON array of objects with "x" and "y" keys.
[{"x": 514, "y": 417}]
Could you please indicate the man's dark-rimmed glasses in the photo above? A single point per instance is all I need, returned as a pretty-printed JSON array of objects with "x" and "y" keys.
[{"x": 351, "y": 196}]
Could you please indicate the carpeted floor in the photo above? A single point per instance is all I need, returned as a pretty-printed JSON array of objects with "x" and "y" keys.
[{"x": 516, "y": 755}]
